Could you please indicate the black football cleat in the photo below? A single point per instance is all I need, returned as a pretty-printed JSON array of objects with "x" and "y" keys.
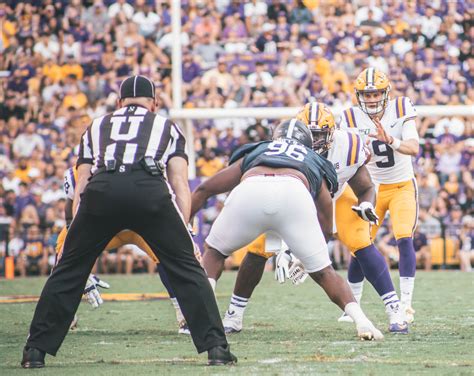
[
  {"x": 220, "y": 355},
  {"x": 32, "y": 358}
]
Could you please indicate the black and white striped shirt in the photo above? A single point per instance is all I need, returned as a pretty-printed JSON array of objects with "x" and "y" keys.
[{"x": 129, "y": 134}]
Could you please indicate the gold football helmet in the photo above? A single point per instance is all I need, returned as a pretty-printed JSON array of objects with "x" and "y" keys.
[
  {"x": 372, "y": 80},
  {"x": 320, "y": 121}
]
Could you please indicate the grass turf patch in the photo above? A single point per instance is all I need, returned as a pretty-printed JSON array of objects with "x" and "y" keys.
[{"x": 287, "y": 330}]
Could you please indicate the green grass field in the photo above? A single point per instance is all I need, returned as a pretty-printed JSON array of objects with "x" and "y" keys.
[{"x": 288, "y": 330}]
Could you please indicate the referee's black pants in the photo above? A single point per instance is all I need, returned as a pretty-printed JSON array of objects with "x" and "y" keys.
[{"x": 112, "y": 202}]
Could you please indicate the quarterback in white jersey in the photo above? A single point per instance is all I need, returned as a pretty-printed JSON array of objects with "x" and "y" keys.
[
  {"x": 354, "y": 213},
  {"x": 389, "y": 129}
]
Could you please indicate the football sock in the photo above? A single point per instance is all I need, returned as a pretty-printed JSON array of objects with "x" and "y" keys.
[
  {"x": 354, "y": 272},
  {"x": 407, "y": 268},
  {"x": 407, "y": 285},
  {"x": 375, "y": 270},
  {"x": 237, "y": 305},
  {"x": 357, "y": 289},
  {"x": 179, "y": 314},
  {"x": 407, "y": 264},
  {"x": 165, "y": 280},
  {"x": 355, "y": 312}
]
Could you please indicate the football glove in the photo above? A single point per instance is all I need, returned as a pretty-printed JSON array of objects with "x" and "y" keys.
[
  {"x": 297, "y": 273},
  {"x": 91, "y": 291},
  {"x": 282, "y": 270},
  {"x": 367, "y": 212}
]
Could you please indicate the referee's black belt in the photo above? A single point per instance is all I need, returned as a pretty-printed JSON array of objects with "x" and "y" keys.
[{"x": 147, "y": 166}]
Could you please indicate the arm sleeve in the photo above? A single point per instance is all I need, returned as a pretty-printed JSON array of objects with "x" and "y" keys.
[
  {"x": 409, "y": 131},
  {"x": 177, "y": 144},
  {"x": 85, "y": 155}
]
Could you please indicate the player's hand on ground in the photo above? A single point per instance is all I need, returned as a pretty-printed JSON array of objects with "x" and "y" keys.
[
  {"x": 380, "y": 134},
  {"x": 282, "y": 269},
  {"x": 91, "y": 290},
  {"x": 367, "y": 212},
  {"x": 297, "y": 273}
]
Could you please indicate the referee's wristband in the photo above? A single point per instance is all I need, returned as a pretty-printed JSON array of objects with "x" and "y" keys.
[{"x": 396, "y": 143}]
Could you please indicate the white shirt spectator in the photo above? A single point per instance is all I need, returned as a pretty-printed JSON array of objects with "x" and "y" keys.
[
  {"x": 48, "y": 49},
  {"x": 255, "y": 10},
  {"x": 455, "y": 124},
  {"x": 72, "y": 50},
  {"x": 52, "y": 195},
  {"x": 430, "y": 25},
  {"x": 362, "y": 14},
  {"x": 120, "y": 6},
  {"x": 24, "y": 144},
  {"x": 267, "y": 79},
  {"x": 147, "y": 23},
  {"x": 11, "y": 183},
  {"x": 378, "y": 62},
  {"x": 297, "y": 70},
  {"x": 166, "y": 41},
  {"x": 402, "y": 46}
]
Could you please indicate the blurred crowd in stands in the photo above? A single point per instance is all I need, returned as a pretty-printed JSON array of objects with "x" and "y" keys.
[{"x": 61, "y": 63}]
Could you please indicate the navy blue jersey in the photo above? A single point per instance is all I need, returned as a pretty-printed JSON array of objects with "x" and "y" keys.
[{"x": 289, "y": 154}]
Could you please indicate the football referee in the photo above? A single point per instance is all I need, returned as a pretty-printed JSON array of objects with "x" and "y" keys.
[{"x": 132, "y": 174}]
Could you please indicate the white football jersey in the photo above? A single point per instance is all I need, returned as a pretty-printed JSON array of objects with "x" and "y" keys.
[
  {"x": 347, "y": 155},
  {"x": 386, "y": 166},
  {"x": 69, "y": 183}
]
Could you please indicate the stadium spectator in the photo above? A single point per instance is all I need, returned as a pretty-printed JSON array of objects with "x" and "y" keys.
[{"x": 63, "y": 62}]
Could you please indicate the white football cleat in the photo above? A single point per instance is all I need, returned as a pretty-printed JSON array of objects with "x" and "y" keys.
[
  {"x": 368, "y": 332},
  {"x": 409, "y": 313},
  {"x": 397, "y": 319},
  {"x": 232, "y": 322},
  {"x": 345, "y": 318}
]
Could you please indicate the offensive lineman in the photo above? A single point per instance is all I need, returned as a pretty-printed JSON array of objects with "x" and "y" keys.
[
  {"x": 389, "y": 129},
  {"x": 345, "y": 151},
  {"x": 284, "y": 188}
]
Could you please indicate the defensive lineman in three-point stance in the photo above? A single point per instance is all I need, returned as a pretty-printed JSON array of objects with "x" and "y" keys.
[{"x": 281, "y": 187}]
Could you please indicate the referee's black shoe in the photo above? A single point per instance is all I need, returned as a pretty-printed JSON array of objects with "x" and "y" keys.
[
  {"x": 220, "y": 355},
  {"x": 32, "y": 358}
]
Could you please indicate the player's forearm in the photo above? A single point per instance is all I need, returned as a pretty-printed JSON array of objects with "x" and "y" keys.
[
  {"x": 362, "y": 185},
  {"x": 408, "y": 147}
]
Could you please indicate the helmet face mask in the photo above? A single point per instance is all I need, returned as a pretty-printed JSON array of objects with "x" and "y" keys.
[
  {"x": 372, "y": 89},
  {"x": 371, "y": 106},
  {"x": 320, "y": 121},
  {"x": 322, "y": 139}
]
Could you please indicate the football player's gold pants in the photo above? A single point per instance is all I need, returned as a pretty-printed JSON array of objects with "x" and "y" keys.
[
  {"x": 122, "y": 238},
  {"x": 352, "y": 230},
  {"x": 402, "y": 202}
]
